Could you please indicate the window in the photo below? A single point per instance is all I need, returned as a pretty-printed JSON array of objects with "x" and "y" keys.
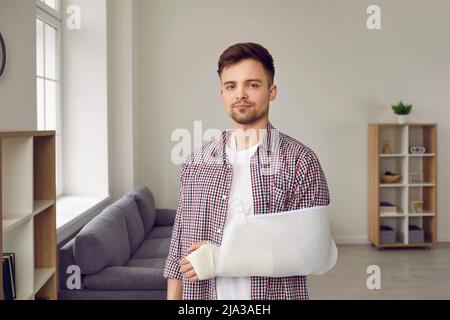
[
  {"x": 52, "y": 4},
  {"x": 48, "y": 74}
]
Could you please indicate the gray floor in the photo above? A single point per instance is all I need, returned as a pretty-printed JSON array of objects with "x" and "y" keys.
[{"x": 405, "y": 274}]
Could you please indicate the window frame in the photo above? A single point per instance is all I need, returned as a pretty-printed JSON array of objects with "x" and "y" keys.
[
  {"x": 53, "y": 18},
  {"x": 57, "y": 14}
]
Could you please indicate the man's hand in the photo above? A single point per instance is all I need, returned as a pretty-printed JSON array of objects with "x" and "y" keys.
[{"x": 186, "y": 267}]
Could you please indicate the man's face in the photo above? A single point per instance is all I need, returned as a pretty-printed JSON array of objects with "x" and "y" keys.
[{"x": 245, "y": 91}]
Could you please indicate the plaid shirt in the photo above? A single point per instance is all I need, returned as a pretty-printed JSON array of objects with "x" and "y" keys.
[{"x": 286, "y": 175}]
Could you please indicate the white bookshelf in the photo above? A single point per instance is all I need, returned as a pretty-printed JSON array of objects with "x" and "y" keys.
[
  {"x": 402, "y": 192},
  {"x": 28, "y": 211}
]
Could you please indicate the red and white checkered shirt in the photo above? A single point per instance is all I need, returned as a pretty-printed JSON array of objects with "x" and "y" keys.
[{"x": 286, "y": 175}]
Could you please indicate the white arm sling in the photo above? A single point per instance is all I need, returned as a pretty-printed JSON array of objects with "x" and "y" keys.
[{"x": 282, "y": 244}]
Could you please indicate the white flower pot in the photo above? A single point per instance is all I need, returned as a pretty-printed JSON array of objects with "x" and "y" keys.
[{"x": 401, "y": 119}]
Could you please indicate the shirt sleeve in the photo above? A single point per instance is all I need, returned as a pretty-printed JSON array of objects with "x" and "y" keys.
[
  {"x": 172, "y": 268},
  {"x": 311, "y": 185}
]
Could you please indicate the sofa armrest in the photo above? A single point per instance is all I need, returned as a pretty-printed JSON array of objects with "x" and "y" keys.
[
  {"x": 66, "y": 259},
  {"x": 165, "y": 217}
]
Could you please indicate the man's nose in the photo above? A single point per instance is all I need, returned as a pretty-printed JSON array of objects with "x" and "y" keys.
[{"x": 241, "y": 93}]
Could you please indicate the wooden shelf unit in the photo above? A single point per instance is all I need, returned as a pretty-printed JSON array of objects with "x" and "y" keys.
[
  {"x": 403, "y": 191},
  {"x": 28, "y": 211}
]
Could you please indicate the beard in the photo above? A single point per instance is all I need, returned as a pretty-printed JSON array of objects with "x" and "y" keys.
[{"x": 248, "y": 115}]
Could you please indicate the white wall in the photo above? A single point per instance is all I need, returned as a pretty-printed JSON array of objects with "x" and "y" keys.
[
  {"x": 85, "y": 102},
  {"x": 18, "y": 84},
  {"x": 120, "y": 96},
  {"x": 334, "y": 78}
]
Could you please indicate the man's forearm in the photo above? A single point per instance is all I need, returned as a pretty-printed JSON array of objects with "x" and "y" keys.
[
  {"x": 174, "y": 289},
  {"x": 296, "y": 242}
]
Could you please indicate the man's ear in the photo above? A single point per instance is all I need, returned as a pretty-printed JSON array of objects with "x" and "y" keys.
[{"x": 273, "y": 92}]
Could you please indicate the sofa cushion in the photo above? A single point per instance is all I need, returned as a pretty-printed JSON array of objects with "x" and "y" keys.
[
  {"x": 146, "y": 205},
  {"x": 103, "y": 242},
  {"x": 126, "y": 278},
  {"x": 153, "y": 248},
  {"x": 135, "y": 225},
  {"x": 160, "y": 232},
  {"x": 165, "y": 217},
  {"x": 147, "y": 263}
]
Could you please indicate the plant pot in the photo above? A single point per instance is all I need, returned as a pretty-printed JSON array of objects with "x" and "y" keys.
[{"x": 401, "y": 119}]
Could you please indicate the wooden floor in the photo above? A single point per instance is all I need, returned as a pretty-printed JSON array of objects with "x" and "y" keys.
[{"x": 405, "y": 274}]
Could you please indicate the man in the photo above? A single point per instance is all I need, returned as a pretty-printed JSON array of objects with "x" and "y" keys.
[{"x": 254, "y": 169}]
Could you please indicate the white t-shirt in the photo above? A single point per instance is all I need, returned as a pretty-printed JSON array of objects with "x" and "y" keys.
[{"x": 240, "y": 203}]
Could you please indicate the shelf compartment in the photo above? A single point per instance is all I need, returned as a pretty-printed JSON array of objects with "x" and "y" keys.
[
  {"x": 427, "y": 224},
  {"x": 44, "y": 238},
  {"x": 17, "y": 176},
  {"x": 423, "y": 135},
  {"x": 44, "y": 168},
  {"x": 399, "y": 225},
  {"x": 41, "y": 278},
  {"x": 396, "y": 197},
  {"x": 397, "y": 135},
  {"x": 48, "y": 290},
  {"x": 424, "y": 166},
  {"x": 425, "y": 194},
  {"x": 20, "y": 242},
  {"x": 396, "y": 165}
]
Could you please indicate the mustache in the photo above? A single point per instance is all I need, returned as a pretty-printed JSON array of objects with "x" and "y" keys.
[{"x": 247, "y": 103}]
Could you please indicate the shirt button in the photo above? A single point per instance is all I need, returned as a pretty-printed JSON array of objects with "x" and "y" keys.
[
  {"x": 224, "y": 197},
  {"x": 219, "y": 230}
]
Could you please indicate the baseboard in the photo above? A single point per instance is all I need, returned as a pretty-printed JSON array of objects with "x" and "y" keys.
[
  {"x": 444, "y": 237},
  {"x": 351, "y": 240},
  {"x": 365, "y": 240}
]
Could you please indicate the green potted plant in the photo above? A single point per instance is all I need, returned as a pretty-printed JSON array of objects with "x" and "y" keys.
[{"x": 402, "y": 110}]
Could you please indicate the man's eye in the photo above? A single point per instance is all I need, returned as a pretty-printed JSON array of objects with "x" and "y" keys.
[
  {"x": 254, "y": 85},
  {"x": 229, "y": 87}
]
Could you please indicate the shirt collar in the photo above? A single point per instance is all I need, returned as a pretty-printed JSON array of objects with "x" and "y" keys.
[{"x": 218, "y": 147}]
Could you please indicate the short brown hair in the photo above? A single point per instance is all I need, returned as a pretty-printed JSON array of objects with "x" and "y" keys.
[{"x": 249, "y": 50}]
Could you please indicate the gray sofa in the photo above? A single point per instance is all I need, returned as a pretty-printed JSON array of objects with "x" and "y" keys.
[{"x": 120, "y": 253}]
